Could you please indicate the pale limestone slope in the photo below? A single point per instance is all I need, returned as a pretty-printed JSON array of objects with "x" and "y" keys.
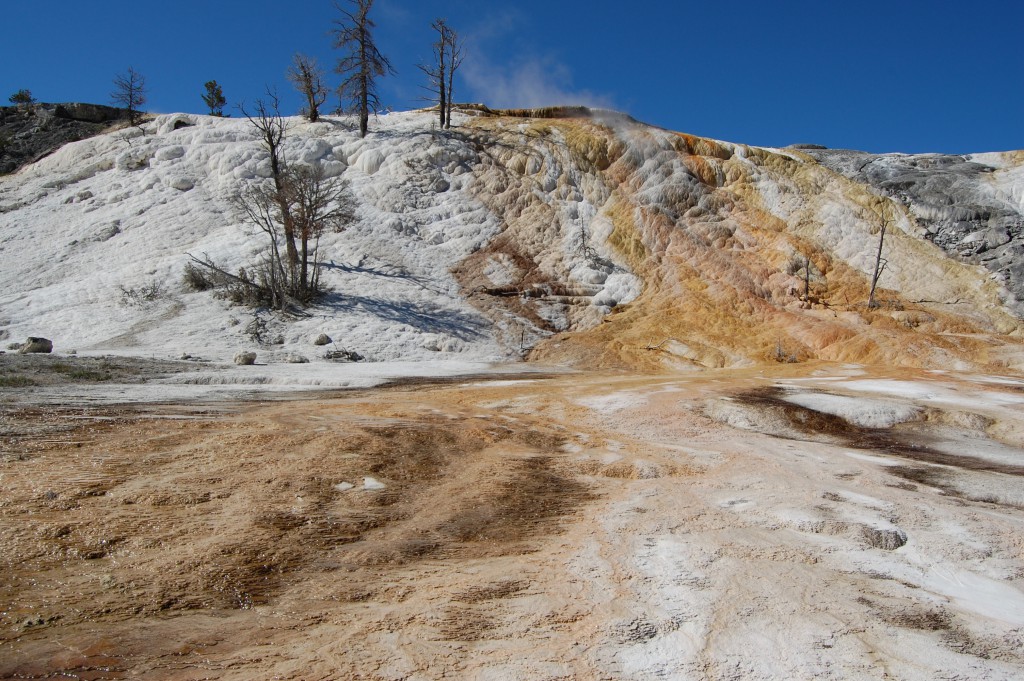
[{"x": 561, "y": 235}]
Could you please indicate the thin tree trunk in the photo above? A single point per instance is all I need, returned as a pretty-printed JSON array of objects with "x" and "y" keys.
[
  {"x": 879, "y": 266},
  {"x": 305, "y": 271}
]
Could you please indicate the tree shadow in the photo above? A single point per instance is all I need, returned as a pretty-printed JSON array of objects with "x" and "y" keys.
[
  {"x": 424, "y": 317},
  {"x": 387, "y": 271}
]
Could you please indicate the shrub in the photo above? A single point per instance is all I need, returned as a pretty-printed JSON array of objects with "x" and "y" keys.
[
  {"x": 142, "y": 296},
  {"x": 197, "y": 279},
  {"x": 240, "y": 289},
  {"x": 16, "y": 382},
  {"x": 257, "y": 329}
]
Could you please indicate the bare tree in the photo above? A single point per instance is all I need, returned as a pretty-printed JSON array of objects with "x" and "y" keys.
[
  {"x": 214, "y": 98},
  {"x": 308, "y": 78},
  {"x": 880, "y": 264},
  {"x": 437, "y": 71},
  {"x": 448, "y": 55},
  {"x": 293, "y": 208},
  {"x": 130, "y": 93},
  {"x": 362, "y": 64},
  {"x": 455, "y": 57},
  {"x": 314, "y": 204},
  {"x": 266, "y": 119},
  {"x": 318, "y": 204},
  {"x": 259, "y": 205}
]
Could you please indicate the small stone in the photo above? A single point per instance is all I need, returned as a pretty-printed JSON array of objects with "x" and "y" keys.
[
  {"x": 245, "y": 358},
  {"x": 295, "y": 358},
  {"x": 322, "y": 339},
  {"x": 372, "y": 484}
]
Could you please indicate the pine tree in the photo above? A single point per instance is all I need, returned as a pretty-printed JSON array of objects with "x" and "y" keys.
[
  {"x": 214, "y": 98},
  {"x": 22, "y": 97}
]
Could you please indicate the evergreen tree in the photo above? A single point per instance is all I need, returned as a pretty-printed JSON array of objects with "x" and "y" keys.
[
  {"x": 214, "y": 98},
  {"x": 22, "y": 97}
]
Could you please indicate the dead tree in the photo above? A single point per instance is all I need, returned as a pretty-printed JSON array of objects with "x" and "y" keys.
[
  {"x": 293, "y": 208},
  {"x": 130, "y": 94},
  {"x": 448, "y": 55},
  {"x": 266, "y": 119},
  {"x": 880, "y": 264},
  {"x": 318, "y": 204},
  {"x": 312, "y": 204},
  {"x": 455, "y": 57},
  {"x": 362, "y": 64},
  {"x": 307, "y": 76},
  {"x": 258, "y": 204},
  {"x": 437, "y": 71}
]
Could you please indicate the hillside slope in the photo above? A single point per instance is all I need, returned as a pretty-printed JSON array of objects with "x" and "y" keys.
[{"x": 569, "y": 236}]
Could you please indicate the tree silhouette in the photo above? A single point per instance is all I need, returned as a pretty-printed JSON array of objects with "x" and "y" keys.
[{"x": 362, "y": 64}]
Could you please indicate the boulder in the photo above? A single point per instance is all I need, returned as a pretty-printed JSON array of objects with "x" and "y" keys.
[
  {"x": 343, "y": 356},
  {"x": 294, "y": 358},
  {"x": 322, "y": 339},
  {"x": 34, "y": 344},
  {"x": 245, "y": 358},
  {"x": 88, "y": 113}
]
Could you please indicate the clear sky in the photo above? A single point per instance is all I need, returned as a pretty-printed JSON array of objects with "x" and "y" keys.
[{"x": 895, "y": 75}]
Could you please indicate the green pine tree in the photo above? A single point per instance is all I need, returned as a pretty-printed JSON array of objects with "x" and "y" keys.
[{"x": 214, "y": 98}]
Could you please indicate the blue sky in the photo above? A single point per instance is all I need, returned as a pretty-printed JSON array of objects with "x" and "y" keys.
[{"x": 901, "y": 75}]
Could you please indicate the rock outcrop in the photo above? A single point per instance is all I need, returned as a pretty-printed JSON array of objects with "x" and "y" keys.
[
  {"x": 28, "y": 133},
  {"x": 956, "y": 202}
]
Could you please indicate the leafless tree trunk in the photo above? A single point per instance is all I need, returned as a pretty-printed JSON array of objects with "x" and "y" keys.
[
  {"x": 455, "y": 57},
  {"x": 308, "y": 78},
  {"x": 130, "y": 93},
  {"x": 319, "y": 204},
  {"x": 437, "y": 72},
  {"x": 267, "y": 121},
  {"x": 448, "y": 55},
  {"x": 362, "y": 64},
  {"x": 880, "y": 264}
]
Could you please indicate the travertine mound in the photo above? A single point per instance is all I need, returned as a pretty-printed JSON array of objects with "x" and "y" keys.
[{"x": 562, "y": 235}]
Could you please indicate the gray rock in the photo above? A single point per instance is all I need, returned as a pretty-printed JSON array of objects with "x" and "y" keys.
[
  {"x": 322, "y": 339},
  {"x": 295, "y": 358},
  {"x": 34, "y": 344},
  {"x": 245, "y": 358},
  {"x": 951, "y": 199},
  {"x": 88, "y": 113},
  {"x": 43, "y": 128},
  {"x": 987, "y": 239},
  {"x": 343, "y": 356},
  {"x": 887, "y": 540}
]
